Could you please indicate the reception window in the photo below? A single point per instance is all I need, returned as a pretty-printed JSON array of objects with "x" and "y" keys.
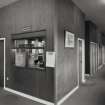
[{"x": 29, "y": 52}]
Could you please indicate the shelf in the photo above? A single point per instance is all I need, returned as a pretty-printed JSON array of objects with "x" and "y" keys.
[
  {"x": 28, "y": 48},
  {"x": 28, "y": 35},
  {"x": 41, "y": 68}
]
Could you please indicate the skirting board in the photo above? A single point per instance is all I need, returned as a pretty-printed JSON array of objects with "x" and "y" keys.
[
  {"x": 29, "y": 97},
  {"x": 67, "y": 96},
  {"x": 41, "y": 100}
]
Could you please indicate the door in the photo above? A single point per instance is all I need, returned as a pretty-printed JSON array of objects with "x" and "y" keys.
[
  {"x": 93, "y": 58},
  {"x": 103, "y": 55},
  {"x": 81, "y": 60},
  {"x": 96, "y": 57},
  {"x": 1, "y": 63}
]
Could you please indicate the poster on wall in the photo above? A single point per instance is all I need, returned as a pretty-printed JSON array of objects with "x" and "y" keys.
[
  {"x": 50, "y": 59},
  {"x": 69, "y": 39}
]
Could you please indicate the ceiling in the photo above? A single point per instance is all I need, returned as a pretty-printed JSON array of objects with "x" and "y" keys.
[
  {"x": 94, "y": 10},
  {"x": 6, "y": 2}
]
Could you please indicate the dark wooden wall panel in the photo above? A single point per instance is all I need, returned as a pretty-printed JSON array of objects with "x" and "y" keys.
[
  {"x": 40, "y": 22},
  {"x": 69, "y": 18},
  {"x": 38, "y": 15},
  {"x": 23, "y": 15},
  {"x": 33, "y": 82}
]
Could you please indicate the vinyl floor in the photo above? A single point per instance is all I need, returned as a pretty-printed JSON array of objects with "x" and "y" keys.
[{"x": 91, "y": 93}]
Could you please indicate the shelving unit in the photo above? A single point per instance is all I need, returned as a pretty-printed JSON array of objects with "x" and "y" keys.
[{"x": 29, "y": 52}]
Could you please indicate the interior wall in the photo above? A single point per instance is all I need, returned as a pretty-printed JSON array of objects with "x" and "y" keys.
[
  {"x": 99, "y": 49},
  {"x": 38, "y": 15},
  {"x": 69, "y": 18}
]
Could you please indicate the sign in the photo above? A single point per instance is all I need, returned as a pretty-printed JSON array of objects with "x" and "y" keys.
[
  {"x": 50, "y": 59},
  {"x": 69, "y": 39},
  {"x": 20, "y": 59}
]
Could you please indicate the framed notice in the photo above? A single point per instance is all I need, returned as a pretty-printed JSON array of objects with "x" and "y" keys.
[
  {"x": 69, "y": 39},
  {"x": 50, "y": 59},
  {"x": 20, "y": 59}
]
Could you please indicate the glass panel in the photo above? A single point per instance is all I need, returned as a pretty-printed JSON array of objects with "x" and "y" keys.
[
  {"x": 29, "y": 52},
  {"x": 20, "y": 43},
  {"x": 36, "y": 58}
]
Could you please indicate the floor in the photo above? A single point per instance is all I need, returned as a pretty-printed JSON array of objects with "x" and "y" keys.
[
  {"x": 7, "y": 98},
  {"x": 91, "y": 93}
]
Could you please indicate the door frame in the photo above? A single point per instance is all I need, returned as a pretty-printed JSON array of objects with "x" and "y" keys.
[
  {"x": 96, "y": 58},
  {"x": 3, "y": 39},
  {"x": 83, "y": 60},
  {"x": 103, "y": 55}
]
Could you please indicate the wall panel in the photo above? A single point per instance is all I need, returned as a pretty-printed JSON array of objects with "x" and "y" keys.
[
  {"x": 69, "y": 18},
  {"x": 37, "y": 14}
]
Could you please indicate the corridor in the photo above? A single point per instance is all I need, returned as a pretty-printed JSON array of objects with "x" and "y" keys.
[{"x": 91, "y": 93}]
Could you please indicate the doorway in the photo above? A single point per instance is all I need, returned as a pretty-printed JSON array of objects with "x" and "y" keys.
[
  {"x": 93, "y": 58},
  {"x": 2, "y": 62},
  {"x": 81, "y": 60}
]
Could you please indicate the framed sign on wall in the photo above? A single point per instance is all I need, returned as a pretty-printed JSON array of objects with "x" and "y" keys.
[
  {"x": 69, "y": 39},
  {"x": 50, "y": 59}
]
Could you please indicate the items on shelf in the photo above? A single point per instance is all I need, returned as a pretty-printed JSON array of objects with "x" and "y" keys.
[
  {"x": 26, "y": 43},
  {"x": 19, "y": 43},
  {"x": 35, "y": 60},
  {"x": 37, "y": 43},
  {"x": 29, "y": 52}
]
